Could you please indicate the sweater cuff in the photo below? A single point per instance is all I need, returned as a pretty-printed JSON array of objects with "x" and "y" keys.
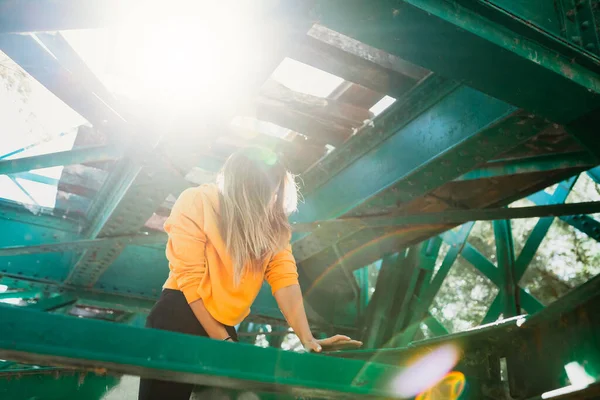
[
  {"x": 191, "y": 294},
  {"x": 283, "y": 282}
]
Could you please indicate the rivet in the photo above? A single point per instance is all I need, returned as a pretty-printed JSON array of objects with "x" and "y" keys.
[
  {"x": 585, "y": 25},
  {"x": 590, "y": 46},
  {"x": 576, "y": 39}
]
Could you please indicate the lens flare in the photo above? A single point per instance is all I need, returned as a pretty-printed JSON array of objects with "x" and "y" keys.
[
  {"x": 449, "y": 388},
  {"x": 426, "y": 372}
]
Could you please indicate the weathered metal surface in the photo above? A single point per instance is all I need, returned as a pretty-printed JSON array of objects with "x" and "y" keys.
[{"x": 151, "y": 353}]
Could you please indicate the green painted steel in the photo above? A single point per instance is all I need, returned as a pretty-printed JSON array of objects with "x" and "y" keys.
[
  {"x": 75, "y": 156},
  {"x": 388, "y": 280},
  {"x": 47, "y": 338},
  {"x": 45, "y": 217},
  {"x": 476, "y": 43},
  {"x": 490, "y": 271},
  {"x": 579, "y": 160},
  {"x": 583, "y": 223},
  {"x": 453, "y": 216},
  {"x": 505, "y": 254},
  {"x": 541, "y": 229},
  {"x": 56, "y": 384},
  {"x": 424, "y": 301}
]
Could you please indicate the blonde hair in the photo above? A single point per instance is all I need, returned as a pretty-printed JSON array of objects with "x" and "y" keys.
[{"x": 257, "y": 195}]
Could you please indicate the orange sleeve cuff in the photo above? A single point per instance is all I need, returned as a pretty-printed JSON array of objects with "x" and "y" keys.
[
  {"x": 283, "y": 282},
  {"x": 191, "y": 294}
]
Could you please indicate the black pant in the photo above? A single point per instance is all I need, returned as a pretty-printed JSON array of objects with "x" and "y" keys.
[{"x": 172, "y": 313}]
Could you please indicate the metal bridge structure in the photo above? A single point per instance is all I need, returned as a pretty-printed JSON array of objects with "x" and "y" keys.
[{"x": 495, "y": 101}]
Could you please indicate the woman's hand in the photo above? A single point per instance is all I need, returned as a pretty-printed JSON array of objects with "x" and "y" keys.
[{"x": 336, "y": 342}]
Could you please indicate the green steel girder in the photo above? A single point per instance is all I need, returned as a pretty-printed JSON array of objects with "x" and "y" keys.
[
  {"x": 378, "y": 319},
  {"x": 470, "y": 120},
  {"x": 477, "y": 43},
  {"x": 569, "y": 327},
  {"x": 55, "y": 384},
  {"x": 89, "y": 244},
  {"x": 539, "y": 12},
  {"x": 401, "y": 284},
  {"x": 426, "y": 299},
  {"x": 583, "y": 223},
  {"x": 505, "y": 254},
  {"x": 452, "y": 217},
  {"x": 424, "y": 95},
  {"x": 75, "y": 156},
  {"x": 421, "y": 264},
  {"x": 579, "y": 23},
  {"x": 490, "y": 271},
  {"x": 541, "y": 229},
  {"x": 336, "y": 225},
  {"x": 475, "y": 128},
  {"x": 580, "y": 160},
  {"x": 46, "y": 339},
  {"x": 594, "y": 173},
  {"x": 45, "y": 217}
]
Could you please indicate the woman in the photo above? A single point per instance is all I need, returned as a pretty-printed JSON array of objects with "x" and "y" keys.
[{"x": 224, "y": 241}]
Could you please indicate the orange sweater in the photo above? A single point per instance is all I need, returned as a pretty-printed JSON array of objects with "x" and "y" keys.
[{"x": 201, "y": 267}]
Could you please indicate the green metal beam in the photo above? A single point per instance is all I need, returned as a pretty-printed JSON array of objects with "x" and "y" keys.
[
  {"x": 435, "y": 326},
  {"x": 49, "y": 339},
  {"x": 343, "y": 224},
  {"x": 412, "y": 285},
  {"x": 580, "y": 221},
  {"x": 424, "y": 302},
  {"x": 476, "y": 43},
  {"x": 90, "y": 244},
  {"x": 453, "y": 216},
  {"x": 488, "y": 269},
  {"x": 540, "y": 230},
  {"x": 495, "y": 309},
  {"x": 46, "y": 217},
  {"x": 594, "y": 173},
  {"x": 75, "y": 156},
  {"x": 505, "y": 254},
  {"x": 538, "y": 164},
  {"x": 378, "y": 320}
]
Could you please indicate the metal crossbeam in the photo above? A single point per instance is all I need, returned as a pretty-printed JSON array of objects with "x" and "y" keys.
[
  {"x": 489, "y": 270},
  {"x": 453, "y": 216},
  {"x": 554, "y": 162},
  {"x": 344, "y": 224},
  {"x": 48, "y": 339},
  {"x": 581, "y": 222},
  {"x": 75, "y": 156},
  {"x": 426, "y": 299},
  {"x": 505, "y": 254}
]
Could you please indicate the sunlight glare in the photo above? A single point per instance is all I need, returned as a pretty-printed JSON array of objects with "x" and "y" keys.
[
  {"x": 206, "y": 57},
  {"x": 426, "y": 371}
]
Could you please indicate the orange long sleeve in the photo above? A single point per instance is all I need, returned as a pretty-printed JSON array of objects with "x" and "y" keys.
[
  {"x": 201, "y": 267},
  {"x": 186, "y": 244}
]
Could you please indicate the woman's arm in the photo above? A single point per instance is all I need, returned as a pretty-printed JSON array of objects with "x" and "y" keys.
[
  {"x": 291, "y": 305},
  {"x": 214, "y": 328}
]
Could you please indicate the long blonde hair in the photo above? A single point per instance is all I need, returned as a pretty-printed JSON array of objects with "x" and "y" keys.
[{"x": 257, "y": 195}]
